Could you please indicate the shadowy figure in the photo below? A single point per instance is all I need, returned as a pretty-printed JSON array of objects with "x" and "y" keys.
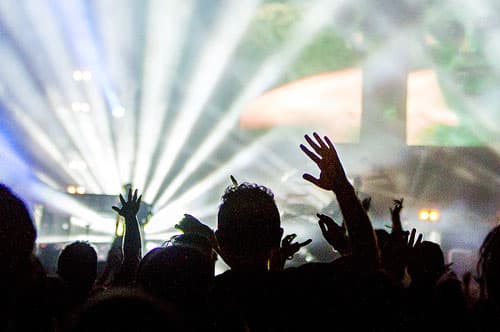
[
  {"x": 248, "y": 227},
  {"x": 77, "y": 267},
  {"x": 183, "y": 275},
  {"x": 22, "y": 277},
  {"x": 486, "y": 312},
  {"x": 126, "y": 310}
]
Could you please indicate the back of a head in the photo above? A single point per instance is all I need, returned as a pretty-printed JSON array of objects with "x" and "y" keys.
[
  {"x": 488, "y": 265},
  {"x": 77, "y": 265},
  {"x": 427, "y": 261},
  {"x": 177, "y": 274},
  {"x": 125, "y": 310},
  {"x": 248, "y": 221},
  {"x": 17, "y": 232}
]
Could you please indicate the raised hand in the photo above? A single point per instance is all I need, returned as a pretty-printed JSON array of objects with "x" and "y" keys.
[
  {"x": 191, "y": 225},
  {"x": 131, "y": 206},
  {"x": 286, "y": 251},
  {"x": 411, "y": 243},
  {"x": 332, "y": 175},
  {"x": 334, "y": 234},
  {"x": 396, "y": 215}
]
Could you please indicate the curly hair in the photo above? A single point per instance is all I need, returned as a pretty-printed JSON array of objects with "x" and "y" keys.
[{"x": 249, "y": 216}]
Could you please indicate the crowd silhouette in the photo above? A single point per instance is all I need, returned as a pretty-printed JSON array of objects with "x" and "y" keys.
[{"x": 382, "y": 281}]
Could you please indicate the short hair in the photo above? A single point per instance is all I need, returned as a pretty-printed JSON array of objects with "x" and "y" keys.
[
  {"x": 249, "y": 213},
  {"x": 17, "y": 232},
  {"x": 77, "y": 263},
  {"x": 176, "y": 273}
]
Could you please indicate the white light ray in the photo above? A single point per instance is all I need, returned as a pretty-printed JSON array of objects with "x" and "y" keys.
[
  {"x": 178, "y": 207},
  {"x": 270, "y": 71},
  {"x": 161, "y": 57},
  {"x": 222, "y": 42}
]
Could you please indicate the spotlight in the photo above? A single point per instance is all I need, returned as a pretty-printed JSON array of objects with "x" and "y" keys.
[
  {"x": 423, "y": 215},
  {"x": 82, "y": 75},
  {"x": 118, "y": 112},
  {"x": 86, "y": 75},
  {"x": 71, "y": 189},
  {"x": 65, "y": 226},
  {"x": 428, "y": 215},
  {"x": 77, "y": 75},
  {"x": 80, "y": 190},
  {"x": 434, "y": 215}
]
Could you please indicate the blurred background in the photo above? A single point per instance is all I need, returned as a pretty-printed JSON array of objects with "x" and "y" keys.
[{"x": 173, "y": 97}]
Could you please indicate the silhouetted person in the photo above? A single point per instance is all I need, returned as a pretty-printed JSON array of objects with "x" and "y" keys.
[
  {"x": 183, "y": 276},
  {"x": 77, "y": 267},
  {"x": 22, "y": 277},
  {"x": 486, "y": 312},
  {"x": 124, "y": 310}
]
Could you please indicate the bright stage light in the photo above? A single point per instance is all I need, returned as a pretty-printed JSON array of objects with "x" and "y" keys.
[
  {"x": 71, "y": 189},
  {"x": 77, "y": 75},
  {"x": 215, "y": 55},
  {"x": 423, "y": 215},
  {"x": 118, "y": 112},
  {"x": 80, "y": 190},
  {"x": 434, "y": 215},
  {"x": 270, "y": 71}
]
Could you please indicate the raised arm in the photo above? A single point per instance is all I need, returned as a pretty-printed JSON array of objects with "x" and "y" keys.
[
  {"x": 132, "y": 237},
  {"x": 332, "y": 177}
]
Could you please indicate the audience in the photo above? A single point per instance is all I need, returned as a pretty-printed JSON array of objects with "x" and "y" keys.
[{"x": 382, "y": 281}]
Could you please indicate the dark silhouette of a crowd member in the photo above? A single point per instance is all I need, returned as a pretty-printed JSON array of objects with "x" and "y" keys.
[
  {"x": 22, "y": 277},
  {"x": 77, "y": 267},
  {"x": 249, "y": 231},
  {"x": 125, "y": 310},
  {"x": 181, "y": 275},
  {"x": 486, "y": 311}
]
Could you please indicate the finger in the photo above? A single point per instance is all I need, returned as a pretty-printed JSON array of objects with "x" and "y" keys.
[
  {"x": 313, "y": 144},
  {"x": 419, "y": 239},
  {"x": 320, "y": 141},
  {"x": 330, "y": 144},
  {"x": 310, "y": 154},
  {"x": 129, "y": 195},
  {"x": 135, "y": 195},
  {"x": 122, "y": 200},
  {"x": 323, "y": 228},
  {"x": 305, "y": 243},
  {"x": 117, "y": 209},
  {"x": 139, "y": 200},
  {"x": 312, "y": 179},
  {"x": 412, "y": 236},
  {"x": 289, "y": 238}
]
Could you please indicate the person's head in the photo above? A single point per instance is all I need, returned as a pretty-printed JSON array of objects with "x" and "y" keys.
[
  {"x": 17, "y": 232},
  {"x": 488, "y": 265},
  {"x": 248, "y": 225},
  {"x": 179, "y": 274},
  {"x": 77, "y": 266},
  {"x": 125, "y": 310},
  {"x": 427, "y": 262}
]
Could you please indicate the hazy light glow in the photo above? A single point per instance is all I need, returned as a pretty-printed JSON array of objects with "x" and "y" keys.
[
  {"x": 268, "y": 73},
  {"x": 221, "y": 43}
]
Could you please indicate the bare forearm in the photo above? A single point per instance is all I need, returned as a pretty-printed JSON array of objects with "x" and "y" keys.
[
  {"x": 359, "y": 227},
  {"x": 131, "y": 241}
]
